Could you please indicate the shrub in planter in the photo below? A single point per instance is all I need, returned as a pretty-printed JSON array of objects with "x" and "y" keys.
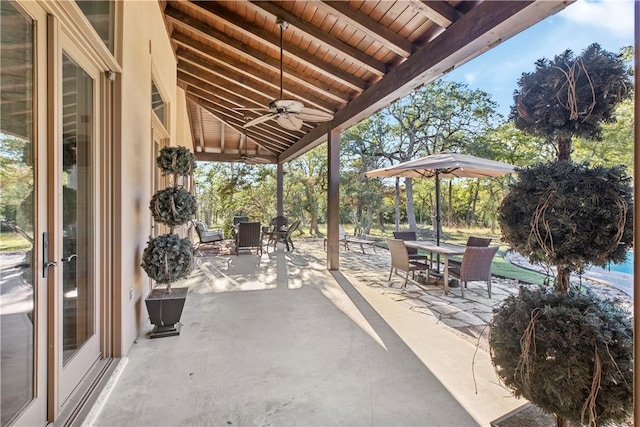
[
  {"x": 169, "y": 257},
  {"x": 570, "y": 354}
]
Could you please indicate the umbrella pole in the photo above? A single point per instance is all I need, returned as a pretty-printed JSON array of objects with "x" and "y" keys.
[{"x": 437, "y": 219}]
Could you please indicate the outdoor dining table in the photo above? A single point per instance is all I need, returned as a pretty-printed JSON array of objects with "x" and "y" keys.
[{"x": 444, "y": 249}]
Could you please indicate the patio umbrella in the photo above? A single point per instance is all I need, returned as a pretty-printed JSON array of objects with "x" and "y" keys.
[{"x": 444, "y": 165}]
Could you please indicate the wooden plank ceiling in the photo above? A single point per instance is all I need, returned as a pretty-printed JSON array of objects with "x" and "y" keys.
[{"x": 346, "y": 58}]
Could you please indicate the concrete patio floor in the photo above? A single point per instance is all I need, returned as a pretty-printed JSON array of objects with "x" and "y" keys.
[{"x": 279, "y": 340}]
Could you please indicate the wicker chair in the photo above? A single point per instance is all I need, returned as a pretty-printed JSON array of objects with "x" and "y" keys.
[
  {"x": 400, "y": 260},
  {"x": 207, "y": 237},
  {"x": 480, "y": 242},
  {"x": 249, "y": 236},
  {"x": 413, "y": 252},
  {"x": 277, "y": 223},
  {"x": 284, "y": 236},
  {"x": 476, "y": 265}
]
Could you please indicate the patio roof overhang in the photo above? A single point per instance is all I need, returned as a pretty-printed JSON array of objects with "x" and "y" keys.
[{"x": 348, "y": 58}]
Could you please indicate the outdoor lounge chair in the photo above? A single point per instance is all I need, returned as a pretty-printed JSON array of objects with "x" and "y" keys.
[
  {"x": 249, "y": 236},
  {"x": 476, "y": 265},
  {"x": 207, "y": 237},
  {"x": 342, "y": 238},
  {"x": 400, "y": 260}
]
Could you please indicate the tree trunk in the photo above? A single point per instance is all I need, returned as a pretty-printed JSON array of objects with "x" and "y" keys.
[
  {"x": 411, "y": 213},
  {"x": 369, "y": 223},
  {"x": 397, "y": 204},
  {"x": 449, "y": 205},
  {"x": 564, "y": 148},
  {"x": 380, "y": 221},
  {"x": 561, "y": 421},
  {"x": 562, "y": 280}
]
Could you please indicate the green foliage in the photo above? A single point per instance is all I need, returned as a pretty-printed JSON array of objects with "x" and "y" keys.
[
  {"x": 558, "y": 350},
  {"x": 569, "y": 215},
  {"x": 616, "y": 147},
  {"x": 176, "y": 161},
  {"x": 173, "y": 206},
  {"x": 168, "y": 258},
  {"x": 569, "y": 95}
]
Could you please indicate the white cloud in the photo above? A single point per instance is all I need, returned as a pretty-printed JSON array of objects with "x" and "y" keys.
[
  {"x": 470, "y": 77},
  {"x": 615, "y": 16}
]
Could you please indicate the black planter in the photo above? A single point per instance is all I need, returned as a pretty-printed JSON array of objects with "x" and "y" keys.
[{"x": 165, "y": 310}]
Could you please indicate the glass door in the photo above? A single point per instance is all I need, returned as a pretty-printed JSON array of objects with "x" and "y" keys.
[
  {"x": 75, "y": 219},
  {"x": 23, "y": 214}
]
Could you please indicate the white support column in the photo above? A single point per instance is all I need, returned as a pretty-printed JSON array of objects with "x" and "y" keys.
[{"x": 333, "y": 200}]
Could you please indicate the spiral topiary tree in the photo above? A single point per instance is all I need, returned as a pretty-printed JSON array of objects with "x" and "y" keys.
[{"x": 168, "y": 257}]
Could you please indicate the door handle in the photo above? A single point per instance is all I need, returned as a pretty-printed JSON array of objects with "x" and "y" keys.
[
  {"x": 69, "y": 258},
  {"x": 45, "y": 255}
]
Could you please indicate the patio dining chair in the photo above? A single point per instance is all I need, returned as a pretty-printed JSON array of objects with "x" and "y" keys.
[
  {"x": 476, "y": 265},
  {"x": 413, "y": 252},
  {"x": 400, "y": 261},
  {"x": 480, "y": 242},
  {"x": 249, "y": 236},
  {"x": 284, "y": 237},
  {"x": 279, "y": 222}
]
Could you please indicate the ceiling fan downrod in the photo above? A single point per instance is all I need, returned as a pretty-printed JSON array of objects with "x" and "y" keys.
[{"x": 283, "y": 26}]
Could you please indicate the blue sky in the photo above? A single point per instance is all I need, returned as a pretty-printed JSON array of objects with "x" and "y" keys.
[{"x": 609, "y": 23}]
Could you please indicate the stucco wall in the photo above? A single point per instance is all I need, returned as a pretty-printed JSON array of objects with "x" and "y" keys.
[{"x": 146, "y": 52}]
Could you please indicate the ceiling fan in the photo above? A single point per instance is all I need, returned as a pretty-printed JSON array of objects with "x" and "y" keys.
[
  {"x": 245, "y": 157},
  {"x": 289, "y": 113}
]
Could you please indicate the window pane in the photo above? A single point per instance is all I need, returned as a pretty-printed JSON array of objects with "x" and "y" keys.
[
  {"x": 158, "y": 104},
  {"x": 100, "y": 14},
  {"x": 17, "y": 298},
  {"x": 77, "y": 202}
]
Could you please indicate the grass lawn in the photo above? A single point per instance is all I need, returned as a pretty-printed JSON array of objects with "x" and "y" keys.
[{"x": 10, "y": 241}]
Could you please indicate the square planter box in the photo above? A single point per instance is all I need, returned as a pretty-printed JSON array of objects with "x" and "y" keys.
[{"x": 165, "y": 310}]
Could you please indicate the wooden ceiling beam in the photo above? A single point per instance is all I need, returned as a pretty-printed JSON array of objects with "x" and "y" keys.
[
  {"x": 271, "y": 132},
  {"x": 256, "y": 137},
  {"x": 209, "y": 93},
  {"x": 222, "y": 157},
  {"x": 250, "y": 82},
  {"x": 273, "y": 65},
  {"x": 440, "y": 12},
  {"x": 477, "y": 31},
  {"x": 369, "y": 26},
  {"x": 328, "y": 41},
  {"x": 266, "y": 38}
]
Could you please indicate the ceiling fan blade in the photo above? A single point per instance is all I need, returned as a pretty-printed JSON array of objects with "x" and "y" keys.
[
  {"x": 313, "y": 115},
  {"x": 260, "y": 119},
  {"x": 289, "y": 121}
]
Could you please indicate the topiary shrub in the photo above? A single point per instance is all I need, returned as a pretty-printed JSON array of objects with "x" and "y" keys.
[
  {"x": 569, "y": 215},
  {"x": 176, "y": 161},
  {"x": 570, "y": 354},
  {"x": 173, "y": 206},
  {"x": 168, "y": 257}
]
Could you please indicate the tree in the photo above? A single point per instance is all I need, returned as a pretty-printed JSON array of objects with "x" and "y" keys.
[
  {"x": 361, "y": 148},
  {"x": 440, "y": 116},
  {"x": 571, "y": 96}
]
